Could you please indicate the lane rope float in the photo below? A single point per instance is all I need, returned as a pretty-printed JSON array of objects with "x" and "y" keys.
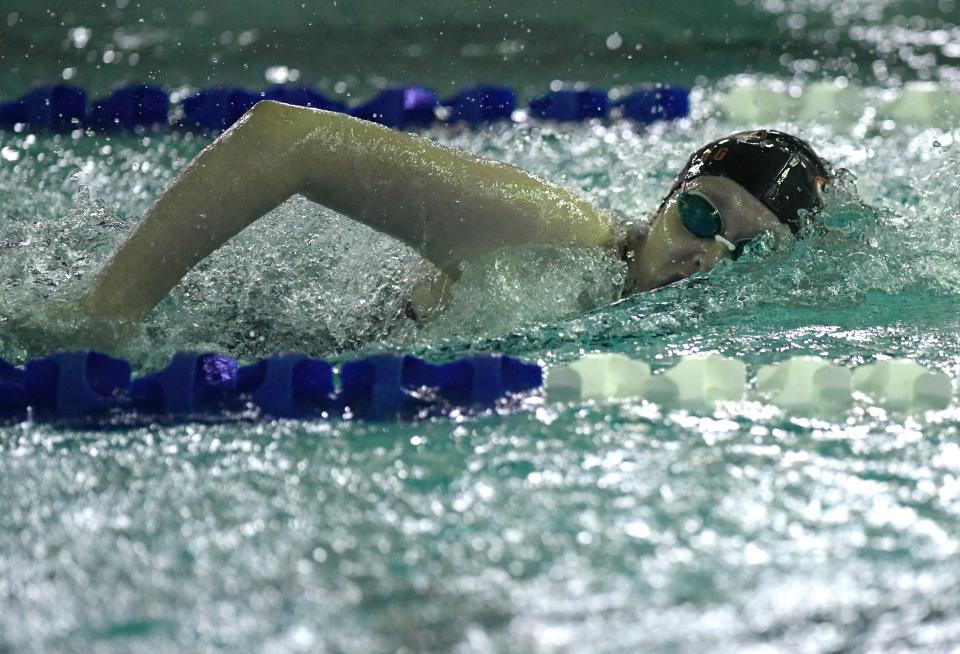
[
  {"x": 137, "y": 107},
  {"x": 91, "y": 389}
]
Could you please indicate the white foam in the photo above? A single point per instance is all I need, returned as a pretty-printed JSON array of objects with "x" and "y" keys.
[
  {"x": 698, "y": 381},
  {"x": 805, "y": 383},
  {"x": 923, "y": 104},
  {"x": 598, "y": 376},
  {"x": 755, "y": 104},
  {"x": 902, "y": 384},
  {"x": 832, "y": 103},
  {"x": 799, "y": 384}
]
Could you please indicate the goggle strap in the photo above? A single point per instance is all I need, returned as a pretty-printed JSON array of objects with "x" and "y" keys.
[{"x": 730, "y": 246}]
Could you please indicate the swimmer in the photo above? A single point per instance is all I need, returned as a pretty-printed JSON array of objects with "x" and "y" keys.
[{"x": 451, "y": 206}]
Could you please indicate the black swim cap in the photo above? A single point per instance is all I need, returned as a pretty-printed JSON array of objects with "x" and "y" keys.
[{"x": 778, "y": 169}]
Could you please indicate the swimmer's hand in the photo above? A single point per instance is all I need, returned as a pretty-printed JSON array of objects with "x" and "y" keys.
[
  {"x": 60, "y": 325},
  {"x": 430, "y": 296}
]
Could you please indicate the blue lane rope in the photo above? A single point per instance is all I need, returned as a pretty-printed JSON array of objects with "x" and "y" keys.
[
  {"x": 87, "y": 388},
  {"x": 63, "y": 108},
  {"x": 571, "y": 106}
]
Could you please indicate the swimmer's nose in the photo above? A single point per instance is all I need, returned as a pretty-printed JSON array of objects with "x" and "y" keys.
[{"x": 706, "y": 261}]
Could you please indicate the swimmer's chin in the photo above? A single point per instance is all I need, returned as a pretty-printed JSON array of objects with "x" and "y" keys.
[{"x": 642, "y": 286}]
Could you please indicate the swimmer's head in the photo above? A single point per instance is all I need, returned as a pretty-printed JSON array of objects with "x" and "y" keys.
[
  {"x": 779, "y": 170},
  {"x": 729, "y": 192}
]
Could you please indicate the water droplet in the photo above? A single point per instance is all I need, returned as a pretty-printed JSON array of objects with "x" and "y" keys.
[{"x": 614, "y": 41}]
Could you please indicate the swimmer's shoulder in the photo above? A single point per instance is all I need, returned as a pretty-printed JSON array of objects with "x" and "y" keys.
[{"x": 628, "y": 232}]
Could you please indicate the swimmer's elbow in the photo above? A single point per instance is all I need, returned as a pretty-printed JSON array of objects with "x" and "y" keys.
[
  {"x": 273, "y": 115},
  {"x": 269, "y": 111}
]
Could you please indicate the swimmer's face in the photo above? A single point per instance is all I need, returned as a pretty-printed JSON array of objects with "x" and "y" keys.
[{"x": 671, "y": 252}]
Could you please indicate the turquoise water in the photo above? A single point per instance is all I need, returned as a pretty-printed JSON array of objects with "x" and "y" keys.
[{"x": 600, "y": 527}]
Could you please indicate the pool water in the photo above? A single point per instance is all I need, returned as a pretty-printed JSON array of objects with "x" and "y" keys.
[{"x": 601, "y": 527}]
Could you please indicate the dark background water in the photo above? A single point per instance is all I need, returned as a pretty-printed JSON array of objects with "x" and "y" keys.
[{"x": 361, "y": 44}]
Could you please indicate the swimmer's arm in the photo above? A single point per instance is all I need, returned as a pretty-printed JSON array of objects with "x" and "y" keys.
[{"x": 449, "y": 205}]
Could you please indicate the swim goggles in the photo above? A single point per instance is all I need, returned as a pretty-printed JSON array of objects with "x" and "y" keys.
[{"x": 702, "y": 219}]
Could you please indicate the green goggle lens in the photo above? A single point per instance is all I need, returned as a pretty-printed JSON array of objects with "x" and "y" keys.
[{"x": 699, "y": 216}]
